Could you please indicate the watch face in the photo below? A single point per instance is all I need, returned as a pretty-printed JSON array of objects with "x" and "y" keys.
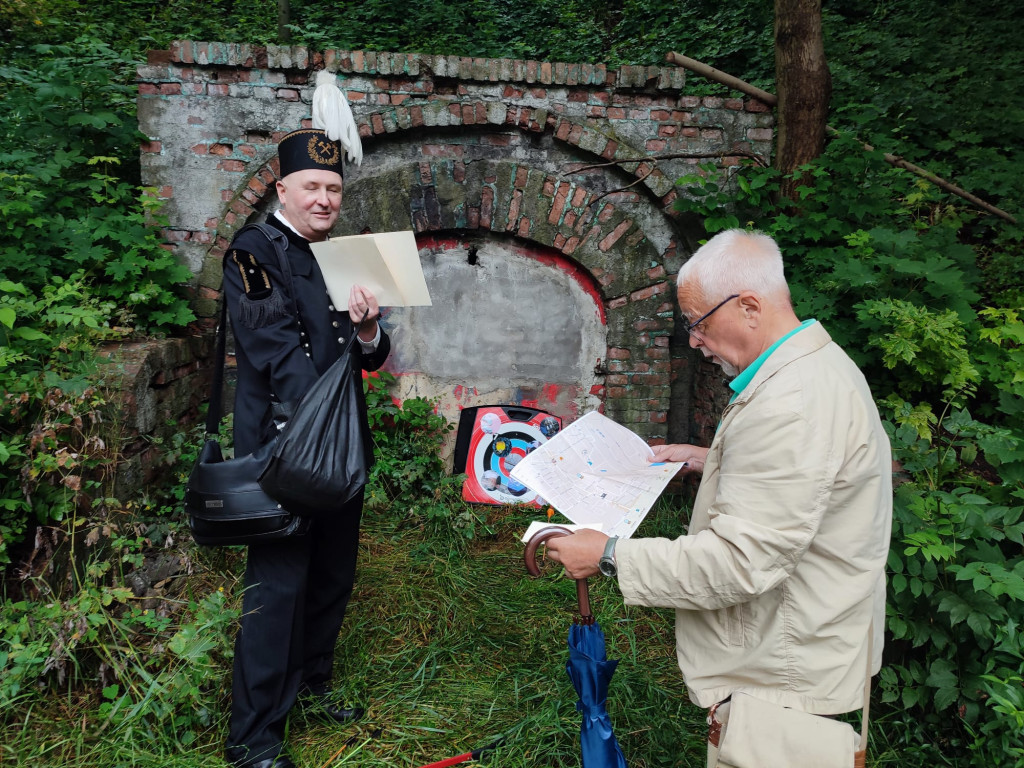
[{"x": 607, "y": 566}]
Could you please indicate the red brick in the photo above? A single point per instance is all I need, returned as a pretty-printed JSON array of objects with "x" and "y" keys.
[
  {"x": 757, "y": 106},
  {"x": 524, "y": 227},
  {"x": 613, "y": 237},
  {"x": 656, "y": 353},
  {"x": 222, "y": 90},
  {"x": 513, "y": 209},
  {"x": 231, "y": 165},
  {"x": 220, "y": 149},
  {"x": 759, "y": 134},
  {"x": 618, "y": 302},
  {"x": 656, "y": 145},
  {"x": 441, "y": 150},
  {"x": 649, "y": 325},
  {"x": 655, "y": 272},
  {"x": 619, "y": 353},
  {"x": 648, "y": 292},
  {"x": 148, "y": 89},
  {"x": 241, "y": 207},
  {"x": 153, "y": 147},
  {"x": 486, "y": 207},
  {"x": 558, "y": 205},
  {"x": 378, "y": 124},
  {"x": 170, "y": 89}
]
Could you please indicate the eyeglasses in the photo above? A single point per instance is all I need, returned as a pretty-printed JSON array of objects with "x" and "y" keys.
[{"x": 692, "y": 327}]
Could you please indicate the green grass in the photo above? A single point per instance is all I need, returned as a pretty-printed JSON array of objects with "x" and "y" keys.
[{"x": 448, "y": 642}]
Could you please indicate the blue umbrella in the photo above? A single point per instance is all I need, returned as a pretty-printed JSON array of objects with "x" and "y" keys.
[{"x": 589, "y": 669}]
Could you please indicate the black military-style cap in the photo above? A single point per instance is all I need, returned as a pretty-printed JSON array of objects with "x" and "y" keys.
[{"x": 309, "y": 148}]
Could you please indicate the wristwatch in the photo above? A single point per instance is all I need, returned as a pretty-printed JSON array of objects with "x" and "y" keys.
[{"x": 607, "y": 562}]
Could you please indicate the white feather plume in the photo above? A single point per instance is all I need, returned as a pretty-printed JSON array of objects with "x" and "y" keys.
[{"x": 331, "y": 113}]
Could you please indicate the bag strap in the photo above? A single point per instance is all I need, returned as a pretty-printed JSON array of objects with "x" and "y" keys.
[
  {"x": 275, "y": 237},
  {"x": 220, "y": 353},
  {"x": 213, "y": 413}
]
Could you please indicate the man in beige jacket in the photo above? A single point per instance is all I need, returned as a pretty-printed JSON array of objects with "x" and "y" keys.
[{"x": 781, "y": 573}]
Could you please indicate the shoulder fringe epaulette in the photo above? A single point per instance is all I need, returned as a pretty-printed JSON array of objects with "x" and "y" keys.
[{"x": 260, "y": 305}]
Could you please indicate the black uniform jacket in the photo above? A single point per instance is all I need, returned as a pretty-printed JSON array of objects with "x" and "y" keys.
[{"x": 280, "y": 355}]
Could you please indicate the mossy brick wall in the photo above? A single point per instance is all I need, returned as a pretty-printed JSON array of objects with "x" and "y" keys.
[{"x": 502, "y": 153}]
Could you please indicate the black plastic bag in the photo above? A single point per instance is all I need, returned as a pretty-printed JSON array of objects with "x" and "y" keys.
[{"x": 318, "y": 461}]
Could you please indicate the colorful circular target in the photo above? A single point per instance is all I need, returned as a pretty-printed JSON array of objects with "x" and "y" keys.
[{"x": 493, "y": 457}]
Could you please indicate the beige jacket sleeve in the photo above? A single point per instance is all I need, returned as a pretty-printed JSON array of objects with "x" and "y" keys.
[{"x": 769, "y": 491}]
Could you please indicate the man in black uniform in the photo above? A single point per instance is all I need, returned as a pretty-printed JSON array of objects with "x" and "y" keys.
[{"x": 287, "y": 334}]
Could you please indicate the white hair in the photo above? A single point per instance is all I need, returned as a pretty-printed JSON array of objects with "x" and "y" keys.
[{"x": 733, "y": 261}]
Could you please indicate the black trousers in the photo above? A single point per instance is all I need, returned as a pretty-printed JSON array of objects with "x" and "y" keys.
[{"x": 296, "y": 592}]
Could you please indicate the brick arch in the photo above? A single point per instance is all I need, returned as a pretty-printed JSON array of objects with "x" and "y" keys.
[
  {"x": 510, "y": 200},
  {"x": 602, "y": 142},
  {"x": 212, "y": 114}
]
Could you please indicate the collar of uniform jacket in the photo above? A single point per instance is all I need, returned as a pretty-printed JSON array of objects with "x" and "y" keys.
[{"x": 300, "y": 257}]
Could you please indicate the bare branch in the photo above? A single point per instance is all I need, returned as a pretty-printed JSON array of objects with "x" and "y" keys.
[
  {"x": 655, "y": 158},
  {"x": 771, "y": 100}
]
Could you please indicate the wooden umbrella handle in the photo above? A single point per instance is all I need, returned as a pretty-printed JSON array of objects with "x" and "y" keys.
[{"x": 530, "y": 560}]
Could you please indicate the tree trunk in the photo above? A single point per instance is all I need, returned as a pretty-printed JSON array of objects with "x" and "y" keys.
[
  {"x": 284, "y": 18},
  {"x": 804, "y": 86}
]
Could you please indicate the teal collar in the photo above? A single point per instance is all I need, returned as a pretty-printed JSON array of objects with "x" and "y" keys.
[{"x": 740, "y": 383}]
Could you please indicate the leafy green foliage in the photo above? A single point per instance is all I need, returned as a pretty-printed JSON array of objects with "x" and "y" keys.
[
  {"x": 409, "y": 474},
  {"x": 68, "y": 127},
  {"x": 80, "y": 264},
  {"x": 890, "y": 266}
]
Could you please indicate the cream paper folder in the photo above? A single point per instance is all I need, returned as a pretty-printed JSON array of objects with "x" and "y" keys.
[{"x": 387, "y": 263}]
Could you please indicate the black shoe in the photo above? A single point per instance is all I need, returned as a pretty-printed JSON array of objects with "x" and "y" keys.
[
  {"x": 318, "y": 705},
  {"x": 281, "y": 761}
]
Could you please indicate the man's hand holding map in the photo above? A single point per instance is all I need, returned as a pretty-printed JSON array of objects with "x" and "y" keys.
[{"x": 596, "y": 471}]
